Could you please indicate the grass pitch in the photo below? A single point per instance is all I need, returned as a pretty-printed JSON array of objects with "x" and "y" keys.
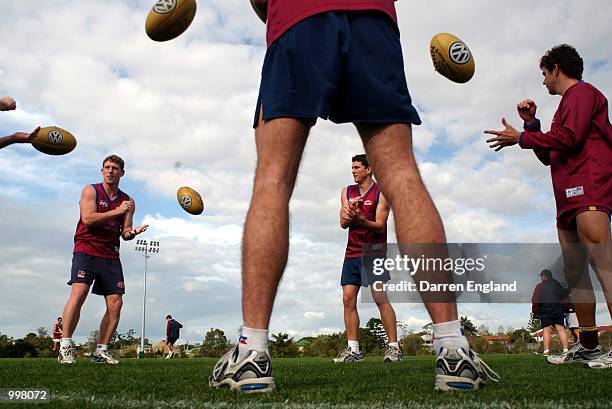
[{"x": 527, "y": 382}]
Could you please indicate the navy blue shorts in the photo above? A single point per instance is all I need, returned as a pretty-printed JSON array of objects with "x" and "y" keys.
[
  {"x": 548, "y": 320},
  {"x": 346, "y": 66},
  {"x": 106, "y": 274},
  {"x": 353, "y": 273}
]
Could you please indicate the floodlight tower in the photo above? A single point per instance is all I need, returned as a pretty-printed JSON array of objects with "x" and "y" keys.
[{"x": 146, "y": 248}]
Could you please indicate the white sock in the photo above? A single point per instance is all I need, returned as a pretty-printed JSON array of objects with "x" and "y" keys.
[
  {"x": 353, "y": 346},
  {"x": 546, "y": 351},
  {"x": 252, "y": 339},
  {"x": 449, "y": 335},
  {"x": 394, "y": 344},
  {"x": 565, "y": 350},
  {"x": 66, "y": 342},
  {"x": 101, "y": 347}
]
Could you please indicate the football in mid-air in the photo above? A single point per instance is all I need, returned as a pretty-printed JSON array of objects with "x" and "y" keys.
[
  {"x": 168, "y": 19},
  {"x": 190, "y": 200},
  {"x": 452, "y": 58},
  {"x": 54, "y": 141}
]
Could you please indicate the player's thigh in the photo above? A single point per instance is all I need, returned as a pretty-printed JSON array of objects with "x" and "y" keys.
[
  {"x": 280, "y": 143},
  {"x": 593, "y": 227}
]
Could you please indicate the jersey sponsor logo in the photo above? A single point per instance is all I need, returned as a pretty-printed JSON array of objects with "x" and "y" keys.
[
  {"x": 81, "y": 274},
  {"x": 574, "y": 191},
  {"x": 242, "y": 340},
  {"x": 164, "y": 6},
  {"x": 103, "y": 203},
  {"x": 459, "y": 53},
  {"x": 368, "y": 203}
]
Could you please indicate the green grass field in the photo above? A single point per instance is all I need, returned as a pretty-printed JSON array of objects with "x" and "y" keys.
[{"x": 527, "y": 382}]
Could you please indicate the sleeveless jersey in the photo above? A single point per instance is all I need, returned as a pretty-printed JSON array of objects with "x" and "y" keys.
[
  {"x": 101, "y": 240},
  {"x": 359, "y": 235}
]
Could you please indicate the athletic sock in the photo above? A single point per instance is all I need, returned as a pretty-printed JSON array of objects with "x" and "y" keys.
[
  {"x": 353, "y": 346},
  {"x": 565, "y": 350},
  {"x": 100, "y": 348},
  {"x": 589, "y": 338},
  {"x": 66, "y": 342},
  {"x": 546, "y": 351},
  {"x": 252, "y": 339},
  {"x": 394, "y": 344},
  {"x": 449, "y": 335}
]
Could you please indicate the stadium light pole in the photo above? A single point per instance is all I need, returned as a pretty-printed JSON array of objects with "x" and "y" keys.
[{"x": 145, "y": 247}]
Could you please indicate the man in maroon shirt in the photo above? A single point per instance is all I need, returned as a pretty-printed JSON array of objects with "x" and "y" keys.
[
  {"x": 106, "y": 214},
  {"x": 364, "y": 212},
  {"x": 578, "y": 149},
  {"x": 339, "y": 60}
]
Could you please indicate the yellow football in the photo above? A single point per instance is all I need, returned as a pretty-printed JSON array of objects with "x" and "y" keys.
[
  {"x": 168, "y": 19},
  {"x": 190, "y": 200},
  {"x": 54, "y": 141},
  {"x": 452, "y": 58}
]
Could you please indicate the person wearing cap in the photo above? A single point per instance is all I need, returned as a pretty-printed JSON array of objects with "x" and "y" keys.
[{"x": 547, "y": 304}]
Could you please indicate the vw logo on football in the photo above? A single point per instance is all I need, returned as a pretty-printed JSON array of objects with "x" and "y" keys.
[
  {"x": 459, "y": 53},
  {"x": 164, "y": 6},
  {"x": 185, "y": 202},
  {"x": 55, "y": 137}
]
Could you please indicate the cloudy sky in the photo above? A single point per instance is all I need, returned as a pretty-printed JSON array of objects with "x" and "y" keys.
[{"x": 180, "y": 113}]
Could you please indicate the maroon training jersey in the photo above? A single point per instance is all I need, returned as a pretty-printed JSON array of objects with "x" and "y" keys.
[
  {"x": 360, "y": 235},
  {"x": 283, "y": 14},
  {"x": 578, "y": 149},
  {"x": 101, "y": 240}
]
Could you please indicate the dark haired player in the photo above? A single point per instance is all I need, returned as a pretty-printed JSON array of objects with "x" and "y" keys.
[
  {"x": 578, "y": 149},
  {"x": 106, "y": 214},
  {"x": 364, "y": 212}
]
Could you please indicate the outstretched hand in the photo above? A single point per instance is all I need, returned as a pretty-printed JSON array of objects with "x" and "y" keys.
[
  {"x": 24, "y": 137},
  {"x": 506, "y": 137}
]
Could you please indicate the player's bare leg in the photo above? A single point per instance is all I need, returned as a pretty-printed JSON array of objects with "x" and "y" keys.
[
  {"x": 280, "y": 144},
  {"x": 71, "y": 315},
  {"x": 387, "y": 313},
  {"x": 72, "y": 309},
  {"x": 110, "y": 321},
  {"x": 351, "y": 315},
  {"x": 594, "y": 231},
  {"x": 546, "y": 339},
  {"x": 108, "y": 326},
  {"x": 389, "y": 149}
]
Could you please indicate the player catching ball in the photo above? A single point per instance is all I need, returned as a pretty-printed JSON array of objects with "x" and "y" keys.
[
  {"x": 106, "y": 214},
  {"x": 578, "y": 149}
]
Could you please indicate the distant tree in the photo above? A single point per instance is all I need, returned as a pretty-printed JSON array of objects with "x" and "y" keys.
[
  {"x": 522, "y": 334},
  {"x": 376, "y": 330},
  {"x": 411, "y": 344},
  {"x": 41, "y": 332},
  {"x": 483, "y": 330},
  {"x": 468, "y": 326},
  {"x": 533, "y": 325},
  {"x": 92, "y": 340},
  {"x": 500, "y": 330},
  {"x": 282, "y": 345},
  {"x": 326, "y": 345},
  {"x": 214, "y": 344}
]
